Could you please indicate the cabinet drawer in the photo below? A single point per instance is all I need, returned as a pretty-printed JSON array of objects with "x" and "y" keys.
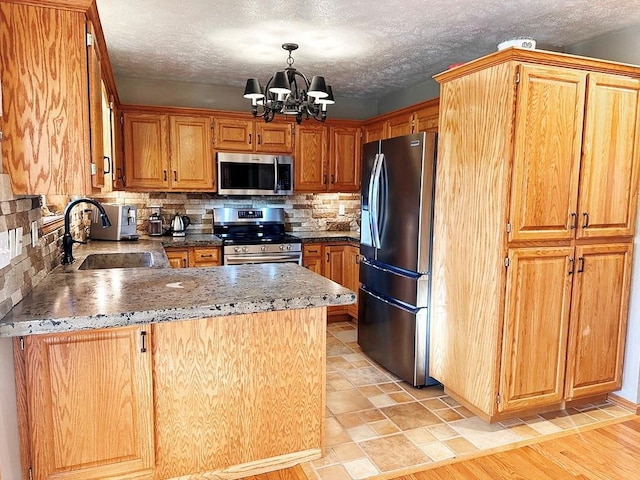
[
  {"x": 311, "y": 250},
  {"x": 206, "y": 257}
]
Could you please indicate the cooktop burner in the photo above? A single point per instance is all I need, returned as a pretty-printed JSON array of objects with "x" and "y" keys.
[
  {"x": 248, "y": 239},
  {"x": 237, "y": 226}
]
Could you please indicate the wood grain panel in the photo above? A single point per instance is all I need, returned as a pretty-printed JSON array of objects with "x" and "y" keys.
[
  {"x": 89, "y": 420},
  {"x": 274, "y": 137},
  {"x": 536, "y": 327},
  {"x": 599, "y": 311},
  {"x": 96, "y": 131},
  {"x": 400, "y": 125},
  {"x": 233, "y": 390},
  {"x": 610, "y": 157},
  {"x": 345, "y": 159},
  {"x": 548, "y": 135},
  {"x": 207, "y": 256},
  {"x": 146, "y": 151},
  {"x": 311, "y": 158},
  {"x": 234, "y": 134},
  {"x": 43, "y": 71},
  {"x": 192, "y": 158},
  {"x": 474, "y": 161},
  {"x": 375, "y": 131}
]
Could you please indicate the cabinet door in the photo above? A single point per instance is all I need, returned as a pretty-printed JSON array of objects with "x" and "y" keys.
[
  {"x": 90, "y": 404},
  {"x": 311, "y": 158},
  {"x": 95, "y": 110},
  {"x": 234, "y": 134},
  {"x": 274, "y": 137},
  {"x": 610, "y": 157},
  {"x": 536, "y": 324},
  {"x": 400, "y": 125},
  {"x": 178, "y": 257},
  {"x": 312, "y": 257},
  {"x": 145, "y": 151},
  {"x": 375, "y": 131},
  {"x": 44, "y": 80},
  {"x": 352, "y": 275},
  {"x": 191, "y": 153},
  {"x": 345, "y": 158},
  {"x": 426, "y": 120},
  {"x": 335, "y": 263},
  {"x": 599, "y": 310},
  {"x": 548, "y": 134}
]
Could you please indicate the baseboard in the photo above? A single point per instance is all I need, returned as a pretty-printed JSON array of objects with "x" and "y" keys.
[{"x": 623, "y": 402}]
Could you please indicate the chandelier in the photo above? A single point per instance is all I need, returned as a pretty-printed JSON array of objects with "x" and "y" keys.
[{"x": 289, "y": 92}]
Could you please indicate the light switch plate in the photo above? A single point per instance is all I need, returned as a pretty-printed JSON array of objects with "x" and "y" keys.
[
  {"x": 34, "y": 233},
  {"x": 19, "y": 232},
  {"x": 5, "y": 256},
  {"x": 12, "y": 243}
]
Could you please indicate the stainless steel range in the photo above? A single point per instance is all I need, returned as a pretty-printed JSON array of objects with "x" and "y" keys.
[{"x": 255, "y": 235}]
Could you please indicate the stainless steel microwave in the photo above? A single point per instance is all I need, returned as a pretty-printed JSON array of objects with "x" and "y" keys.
[{"x": 254, "y": 174}]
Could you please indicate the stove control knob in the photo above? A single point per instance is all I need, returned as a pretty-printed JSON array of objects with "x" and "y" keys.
[
  {"x": 245, "y": 249},
  {"x": 263, "y": 248},
  {"x": 236, "y": 249},
  {"x": 281, "y": 247},
  {"x": 288, "y": 247}
]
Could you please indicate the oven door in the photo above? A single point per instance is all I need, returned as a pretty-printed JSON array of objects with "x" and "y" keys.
[{"x": 242, "y": 258}]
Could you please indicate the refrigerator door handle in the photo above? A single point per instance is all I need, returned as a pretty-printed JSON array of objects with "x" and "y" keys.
[
  {"x": 374, "y": 199},
  {"x": 399, "y": 305}
]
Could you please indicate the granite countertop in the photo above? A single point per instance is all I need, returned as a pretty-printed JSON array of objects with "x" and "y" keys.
[
  {"x": 69, "y": 299},
  {"x": 328, "y": 236}
]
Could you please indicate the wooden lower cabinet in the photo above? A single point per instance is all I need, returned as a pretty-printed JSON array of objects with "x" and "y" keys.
[
  {"x": 338, "y": 262},
  {"x": 184, "y": 257},
  {"x": 87, "y": 400}
]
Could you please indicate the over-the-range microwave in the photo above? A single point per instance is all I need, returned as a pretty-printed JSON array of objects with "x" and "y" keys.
[{"x": 254, "y": 174}]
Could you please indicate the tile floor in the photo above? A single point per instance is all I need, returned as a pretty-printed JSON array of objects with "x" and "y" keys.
[{"x": 376, "y": 423}]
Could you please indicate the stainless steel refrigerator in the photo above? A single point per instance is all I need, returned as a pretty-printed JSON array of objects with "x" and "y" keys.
[{"x": 398, "y": 181}]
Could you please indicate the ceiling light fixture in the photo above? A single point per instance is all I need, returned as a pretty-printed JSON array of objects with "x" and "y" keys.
[{"x": 289, "y": 92}]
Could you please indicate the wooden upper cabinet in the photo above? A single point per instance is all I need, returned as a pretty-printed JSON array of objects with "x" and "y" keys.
[
  {"x": 87, "y": 419},
  {"x": 610, "y": 157},
  {"x": 311, "y": 158},
  {"x": 344, "y": 159},
  {"x": 536, "y": 325},
  {"x": 191, "y": 153},
  {"x": 400, "y": 125},
  {"x": 146, "y": 151},
  {"x": 234, "y": 134},
  {"x": 575, "y": 174},
  {"x": 426, "y": 119},
  {"x": 43, "y": 72},
  {"x": 375, "y": 131},
  {"x": 95, "y": 110},
  {"x": 599, "y": 312},
  {"x": 548, "y": 133}
]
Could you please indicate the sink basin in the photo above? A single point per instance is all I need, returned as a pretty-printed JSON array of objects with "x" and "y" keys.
[{"x": 96, "y": 261}]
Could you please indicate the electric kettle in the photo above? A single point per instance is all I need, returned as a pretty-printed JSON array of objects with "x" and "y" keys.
[{"x": 179, "y": 224}]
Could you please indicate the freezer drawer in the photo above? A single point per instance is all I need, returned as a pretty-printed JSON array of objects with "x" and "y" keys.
[
  {"x": 408, "y": 287},
  {"x": 395, "y": 337}
]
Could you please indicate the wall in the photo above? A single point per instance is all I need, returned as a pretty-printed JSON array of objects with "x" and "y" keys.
[
  {"x": 304, "y": 212},
  {"x": 420, "y": 92},
  {"x": 182, "y": 94},
  {"x": 623, "y": 46}
]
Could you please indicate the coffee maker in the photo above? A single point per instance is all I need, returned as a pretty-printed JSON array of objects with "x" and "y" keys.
[{"x": 156, "y": 222}]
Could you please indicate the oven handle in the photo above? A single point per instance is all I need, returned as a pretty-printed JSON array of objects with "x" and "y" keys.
[
  {"x": 275, "y": 176},
  {"x": 240, "y": 259}
]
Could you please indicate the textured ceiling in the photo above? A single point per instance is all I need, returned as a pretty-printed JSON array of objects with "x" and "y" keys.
[{"x": 364, "y": 48}]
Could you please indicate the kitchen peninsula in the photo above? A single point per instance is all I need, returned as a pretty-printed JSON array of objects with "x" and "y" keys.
[{"x": 163, "y": 373}]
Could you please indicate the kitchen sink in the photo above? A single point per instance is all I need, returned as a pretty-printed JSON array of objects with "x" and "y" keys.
[{"x": 96, "y": 261}]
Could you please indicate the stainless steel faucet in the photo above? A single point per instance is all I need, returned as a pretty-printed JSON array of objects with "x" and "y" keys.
[{"x": 67, "y": 239}]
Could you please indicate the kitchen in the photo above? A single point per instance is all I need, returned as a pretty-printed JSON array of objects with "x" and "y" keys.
[{"x": 191, "y": 206}]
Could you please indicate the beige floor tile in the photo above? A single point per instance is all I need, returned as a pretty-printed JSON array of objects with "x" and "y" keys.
[
  {"x": 484, "y": 435},
  {"x": 365, "y": 376},
  {"x": 349, "y": 420},
  {"x": 354, "y": 357},
  {"x": 442, "y": 431},
  {"x": 372, "y": 415},
  {"x": 346, "y": 335},
  {"x": 569, "y": 418},
  {"x": 370, "y": 390},
  {"x": 335, "y": 433},
  {"x": 615, "y": 410},
  {"x": 401, "y": 397},
  {"x": 434, "y": 404},
  {"x": 338, "y": 349},
  {"x": 361, "y": 432},
  {"x": 335, "y": 472},
  {"x": 450, "y": 401},
  {"x": 460, "y": 445},
  {"x": 341, "y": 384},
  {"x": 412, "y": 415},
  {"x": 347, "y": 401},
  {"x": 437, "y": 451},
  {"x": 524, "y": 431},
  {"x": 348, "y": 451},
  {"x": 393, "y": 452},
  {"x": 382, "y": 400},
  {"x": 420, "y": 436},
  {"x": 329, "y": 459},
  {"x": 541, "y": 425},
  {"x": 384, "y": 427},
  {"x": 511, "y": 422},
  {"x": 362, "y": 468},
  {"x": 361, "y": 364},
  {"x": 598, "y": 414},
  {"x": 465, "y": 412},
  {"x": 448, "y": 415},
  {"x": 389, "y": 387},
  {"x": 334, "y": 376},
  {"x": 423, "y": 393}
]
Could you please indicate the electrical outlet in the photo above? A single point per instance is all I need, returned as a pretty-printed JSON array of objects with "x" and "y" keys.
[
  {"x": 12, "y": 243},
  {"x": 341, "y": 209},
  {"x": 34, "y": 233},
  {"x": 5, "y": 255}
]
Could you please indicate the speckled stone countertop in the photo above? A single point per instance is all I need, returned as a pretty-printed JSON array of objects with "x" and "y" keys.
[
  {"x": 328, "y": 236},
  {"x": 70, "y": 299}
]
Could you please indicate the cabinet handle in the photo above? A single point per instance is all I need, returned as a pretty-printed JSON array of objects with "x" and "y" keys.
[
  {"x": 333, "y": 178},
  {"x": 324, "y": 179},
  {"x": 175, "y": 176},
  {"x": 108, "y": 162},
  {"x": 184, "y": 262},
  {"x": 209, "y": 255},
  {"x": 312, "y": 251},
  {"x": 581, "y": 266},
  {"x": 143, "y": 335},
  {"x": 259, "y": 140},
  {"x": 249, "y": 139},
  {"x": 574, "y": 221},
  {"x": 570, "y": 265},
  {"x": 327, "y": 257},
  {"x": 164, "y": 172},
  {"x": 585, "y": 220}
]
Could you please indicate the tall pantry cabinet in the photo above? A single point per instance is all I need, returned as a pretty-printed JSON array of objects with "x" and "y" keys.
[{"x": 535, "y": 215}]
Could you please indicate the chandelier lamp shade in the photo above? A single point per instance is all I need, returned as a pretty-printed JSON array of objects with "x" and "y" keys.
[{"x": 289, "y": 92}]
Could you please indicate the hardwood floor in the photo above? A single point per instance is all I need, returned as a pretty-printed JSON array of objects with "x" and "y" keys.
[{"x": 605, "y": 453}]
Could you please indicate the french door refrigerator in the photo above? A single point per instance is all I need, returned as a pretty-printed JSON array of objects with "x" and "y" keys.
[{"x": 395, "y": 246}]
